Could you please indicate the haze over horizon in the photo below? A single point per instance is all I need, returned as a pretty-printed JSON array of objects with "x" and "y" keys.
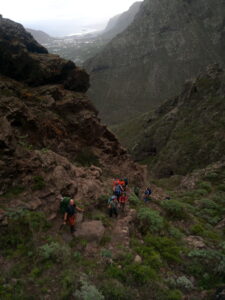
[{"x": 63, "y": 17}]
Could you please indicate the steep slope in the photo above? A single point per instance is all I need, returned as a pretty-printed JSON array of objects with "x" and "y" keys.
[
  {"x": 40, "y": 36},
  {"x": 186, "y": 132},
  {"x": 52, "y": 143},
  {"x": 120, "y": 22},
  {"x": 50, "y": 133},
  {"x": 168, "y": 42}
]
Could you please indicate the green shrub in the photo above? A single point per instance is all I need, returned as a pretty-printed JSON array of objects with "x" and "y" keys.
[
  {"x": 166, "y": 247},
  {"x": 207, "y": 266},
  {"x": 115, "y": 272},
  {"x": 112, "y": 289},
  {"x": 175, "y": 233},
  {"x": 212, "y": 176},
  {"x": 184, "y": 283},
  {"x": 221, "y": 187},
  {"x": 205, "y": 186},
  {"x": 23, "y": 228},
  {"x": 137, "y": 274},
  {"x": 88, "y": 291},
  {"x": 149, "y": 220},
  {"x": 150, "y": 256},
  {"x": 174, "y": 295},
  {"x": 200, "y": 192},
  {"x": 174, "y": 208},
  {"x": 54, "y": 251},
  {"x": 207, "y": 203},
  {"x": 134, "y": 200},
  {"x": 68, "y": 280}
]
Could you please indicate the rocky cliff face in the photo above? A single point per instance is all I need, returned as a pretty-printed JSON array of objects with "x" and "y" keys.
[
  {"x": 186, "y": 132},
  {"x": 51, "y": 140},
  {"x": 168, "y": 42},
  {"x": 120, "y": 22}
]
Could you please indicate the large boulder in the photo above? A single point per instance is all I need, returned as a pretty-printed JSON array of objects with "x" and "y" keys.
[{"x": 91, "y": 230}]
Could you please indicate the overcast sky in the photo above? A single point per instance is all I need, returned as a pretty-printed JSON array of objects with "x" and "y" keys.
[{"x": 57, "y": 16}]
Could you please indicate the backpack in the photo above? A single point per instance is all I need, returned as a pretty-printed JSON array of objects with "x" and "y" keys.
[
  {"x": 64, "y": 204},
  {"x": 117, "y": 190},
  {"x": 148, "y": 192},
  {"x": 126, "y": 181}
]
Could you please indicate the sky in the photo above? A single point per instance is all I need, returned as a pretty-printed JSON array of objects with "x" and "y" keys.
[{"x": 63, "y": 17}]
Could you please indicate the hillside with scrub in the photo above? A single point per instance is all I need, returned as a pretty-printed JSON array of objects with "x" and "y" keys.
[{"x": 52, "y": 144}]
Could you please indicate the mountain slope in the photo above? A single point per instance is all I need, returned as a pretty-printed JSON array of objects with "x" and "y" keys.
[
  {"x": 120, "y": 22},
  {"x": 167, "y": 42},
  {"x": 186, "y": 132},
  {"x": 50, "y": 133},
  {"x": 40, "y": 36}
]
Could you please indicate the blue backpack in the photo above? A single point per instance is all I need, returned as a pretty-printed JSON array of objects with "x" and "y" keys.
[
  {"x": 117, "y": 190},
  {"x": 148, "y": 192}
]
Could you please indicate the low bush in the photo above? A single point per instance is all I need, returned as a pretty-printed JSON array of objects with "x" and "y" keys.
[
  {"x": 149, "y": 220},
  {"x": 184, "y": 283},
  {"x": 175, "y": 233},
  {"x": 150, "y": 256},
  {"x": 54, "y": 251},
  {"x": 137, "y": 275},
  {"x": 23, "y": 228},
  {"x": 134, "y": 200},
  {"x": 88, "y": 291},
  {"x": 174, "y": 295},
  {"x": 208, "y": 203},
  {"x": 167, "y": 248},
  {"x": 221, "y": 187},
  {"x": 205, "y": 186},
  {"x": 113, "y": 289},
  {"x": 174, "y": 209},
  {"x": 207, "y": 267}
]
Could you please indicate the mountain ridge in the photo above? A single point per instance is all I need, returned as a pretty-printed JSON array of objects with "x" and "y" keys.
[{"x": 167, "y": 43}]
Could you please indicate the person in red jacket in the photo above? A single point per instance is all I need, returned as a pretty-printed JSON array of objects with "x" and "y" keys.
[{"x": 122, "y": 200}]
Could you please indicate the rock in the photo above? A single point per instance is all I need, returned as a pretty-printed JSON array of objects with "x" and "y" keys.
[
  {"x": 34, "y": 204},
  {"x": 195, "y": 241},
  {"x": 138, "y": 259},
  {"x": 91, "y": 230},
  {"x": 221, "y": 224},
  {"x": 52, "y": 216}
]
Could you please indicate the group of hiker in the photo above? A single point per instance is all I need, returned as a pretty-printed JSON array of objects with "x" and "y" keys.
[
  {"x": 119, "y": 197},
  {"x": 116, "y": 203}
]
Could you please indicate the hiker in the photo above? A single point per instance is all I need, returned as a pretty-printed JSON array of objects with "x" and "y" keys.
[
  {"x": 118, "y": 189},
  {"x": 113, "y": 206},
  {"x": 115, "y": 182},
  {"x": 69, "y": 216},
  {"x": 122, "y": 201},
  {"x": 126, "y": 182},
  {"x": 147, "y": 197}
]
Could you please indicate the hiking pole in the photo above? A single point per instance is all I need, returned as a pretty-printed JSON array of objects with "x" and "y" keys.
[{"x": 61, "y": 226}]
